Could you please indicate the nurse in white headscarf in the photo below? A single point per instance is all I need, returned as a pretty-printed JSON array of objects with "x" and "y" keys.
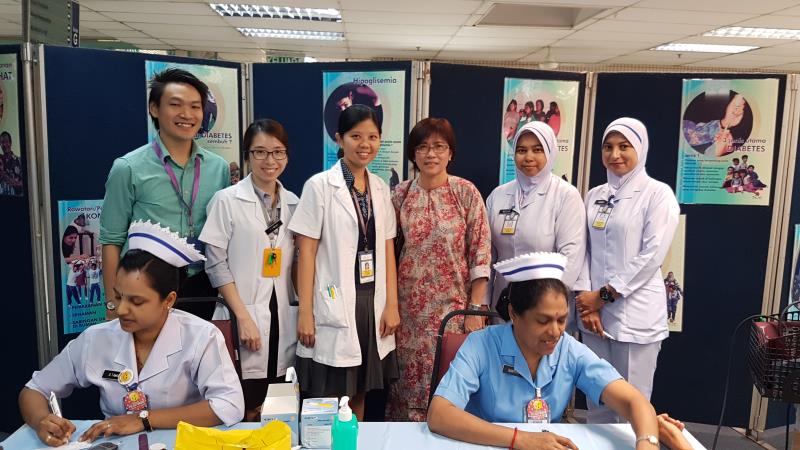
[
  {"x": 631, "y": 221},
  {"x": 536, "y": 212}
]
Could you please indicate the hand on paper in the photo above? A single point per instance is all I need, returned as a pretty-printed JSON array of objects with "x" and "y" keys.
[
  {"x": 54, "y": 430},
  {"x": 390, "y": 320},
  {"x": 542, "y": 441},
  {"x": 119, "y": 425},
  {"x": 305, "y": 328},
  {"x": 249, "y": 334}
]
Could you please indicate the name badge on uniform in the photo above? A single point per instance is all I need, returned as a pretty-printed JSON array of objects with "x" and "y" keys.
[
  {"x": 271, "y": 267},
  {"x": 134, "y": 400},
  {"x": 111, "y": 375},
  {"x": 510, "y": 223},
  {"x": 601, "y": 219},
  {"x": 366, "y": 267}
]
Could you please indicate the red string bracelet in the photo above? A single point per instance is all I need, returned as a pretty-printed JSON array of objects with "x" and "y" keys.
[{"x": 513, "y": 439}]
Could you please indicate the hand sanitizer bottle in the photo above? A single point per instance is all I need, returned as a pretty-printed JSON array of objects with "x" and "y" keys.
[{"x": 344, "y": 433}]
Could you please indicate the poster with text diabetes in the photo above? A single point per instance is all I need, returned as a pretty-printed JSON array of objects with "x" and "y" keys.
[
  {"x": 383, "y": 91},
  {"x": 81, "y": 264},
  {"x": 727, "y": 141},
  {"x": 220, "y": 131}
]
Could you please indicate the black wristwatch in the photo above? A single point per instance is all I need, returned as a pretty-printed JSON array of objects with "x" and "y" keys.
[
  {"x": 605, "y": 295},
  {"x": 145, "y": 416}
]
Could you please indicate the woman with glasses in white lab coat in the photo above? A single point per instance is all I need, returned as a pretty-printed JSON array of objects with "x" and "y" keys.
[{"x": 631, "y": 221}]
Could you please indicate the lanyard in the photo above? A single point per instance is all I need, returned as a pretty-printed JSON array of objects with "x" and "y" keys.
[
  {"x": 271, "y": 230},
  {"x": 358, "y": 211},
  {"x": 177, "y": 187}
]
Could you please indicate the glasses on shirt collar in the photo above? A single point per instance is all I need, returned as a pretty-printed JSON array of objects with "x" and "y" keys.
[{"x": 278, "y": 154}]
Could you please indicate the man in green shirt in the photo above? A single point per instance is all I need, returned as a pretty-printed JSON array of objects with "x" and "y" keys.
[{"x": 168, "y": 181}]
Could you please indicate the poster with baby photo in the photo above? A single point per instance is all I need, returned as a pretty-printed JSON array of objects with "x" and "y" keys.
[
  {"x": 81, "y": 264},
  {"x": 727, "y": 141},
  {"x": 673, "y": 272}
]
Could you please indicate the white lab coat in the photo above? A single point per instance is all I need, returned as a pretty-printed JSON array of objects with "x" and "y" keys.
[
  {"x": 236, "y": 222},
  {"x": 551, "y": 219},
  {"x": 187, "y": 364},
  {"x": 627, "y": 254},
  {"x": 326, "y": 212}
]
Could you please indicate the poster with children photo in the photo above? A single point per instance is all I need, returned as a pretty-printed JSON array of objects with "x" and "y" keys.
[
  {"x": 82, "y": 293},
  {"x": 673, "y": 271}
]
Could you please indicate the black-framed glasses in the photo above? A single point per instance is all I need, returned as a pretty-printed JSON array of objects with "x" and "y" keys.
[
  {"x": 438, "y": 148},
  {"x": 278, "y": 154}
]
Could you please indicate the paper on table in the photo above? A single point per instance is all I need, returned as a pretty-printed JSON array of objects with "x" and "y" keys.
[{"x": 70, "y": 446}]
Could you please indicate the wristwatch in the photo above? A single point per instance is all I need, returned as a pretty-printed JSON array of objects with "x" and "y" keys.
[
  {"x": 144, "y": 415},
  {"x": 474, "y": 307},
  {"x": 605, "y": 295},
  {"x": 650, "y": 439}
]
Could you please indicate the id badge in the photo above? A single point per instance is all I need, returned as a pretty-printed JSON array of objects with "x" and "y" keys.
[
  {"x": 601, "y": 219},
  {"x": 510, "y": 224},
  {"x": 366, "y": 267},
  {"x": 271, "y": 266},
  {"x": 537, "y": 411}
]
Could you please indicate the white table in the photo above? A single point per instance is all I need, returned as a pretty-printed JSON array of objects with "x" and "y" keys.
[{"x": 385, "y": 436}]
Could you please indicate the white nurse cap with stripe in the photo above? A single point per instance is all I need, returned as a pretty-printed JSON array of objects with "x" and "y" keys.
[
  {"x": 162, "y": 243},
  {"x": 532, "y": 266}
]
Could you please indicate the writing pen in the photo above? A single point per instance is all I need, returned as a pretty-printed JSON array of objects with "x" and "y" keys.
[{"x": 54, "y": 408}]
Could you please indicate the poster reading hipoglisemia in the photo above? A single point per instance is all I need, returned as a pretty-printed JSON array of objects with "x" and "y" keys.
[
  {"x": 384, "y": 92},
  {"x": 82, "y": 293},
  {"x": 550, "y": 101},
  {"x": 727, "y": 141},
  {"x": 220, "y": 131},
  {"x": 672, "y": 269}
]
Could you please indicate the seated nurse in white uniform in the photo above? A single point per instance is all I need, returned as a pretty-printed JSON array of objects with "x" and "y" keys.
[
  {"x": 154, "y": 366},
  {"x": 525, "y": 370}
]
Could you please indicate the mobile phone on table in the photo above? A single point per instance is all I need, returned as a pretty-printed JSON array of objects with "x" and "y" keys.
[{"x": 104, "y": 446}]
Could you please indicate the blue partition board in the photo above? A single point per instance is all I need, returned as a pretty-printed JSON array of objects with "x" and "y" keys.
[
  {"x": 96, "y": 111},
  {"x": 692, "y": 364},
  {"x": 19, "y": 332},
  {"x": 471, "y": 98},
  {"x": 292, "y": 95}
]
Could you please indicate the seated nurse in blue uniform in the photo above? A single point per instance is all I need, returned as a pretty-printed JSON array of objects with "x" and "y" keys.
[
  {"x": 524, "y": 371},
  {"x": 154, "y": 365}
]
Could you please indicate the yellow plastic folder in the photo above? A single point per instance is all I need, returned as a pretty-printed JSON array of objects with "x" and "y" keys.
[{"x": 274, "y": 436}]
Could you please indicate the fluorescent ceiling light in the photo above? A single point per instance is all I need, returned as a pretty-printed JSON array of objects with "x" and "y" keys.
[
  {"x": 277, "y": 12},
  {"x": 704, "y": 48},
  {"x": 761, "y": 33},
  {"x": 309, "y": 59},
  {"x": 292, "y": 34}
]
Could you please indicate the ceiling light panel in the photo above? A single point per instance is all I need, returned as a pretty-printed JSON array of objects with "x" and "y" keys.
[
  {"x": 277, "y": 12},
  {"x": 752, "y": 32},
  {"x": 292, "y": 34},
  {"x": 704, "y": 48}
]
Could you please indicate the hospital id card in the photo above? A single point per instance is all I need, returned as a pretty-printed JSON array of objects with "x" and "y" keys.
[
  {"x": 510, "y": 224},
  {"x": 271, "y": 267},
  {"x": 601, "y": 219},
  {"x": 366, "y": 267}
]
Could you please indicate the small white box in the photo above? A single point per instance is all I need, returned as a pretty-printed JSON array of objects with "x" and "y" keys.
[
  {"x": 282, "y": 403},
  {"x": 316, "y": 420}
]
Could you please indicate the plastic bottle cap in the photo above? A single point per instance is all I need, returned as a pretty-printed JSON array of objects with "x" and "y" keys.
[{"x": 345, "y": 413}]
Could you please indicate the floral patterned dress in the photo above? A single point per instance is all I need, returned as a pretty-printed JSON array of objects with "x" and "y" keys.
[{"x": 447, "y": 245}]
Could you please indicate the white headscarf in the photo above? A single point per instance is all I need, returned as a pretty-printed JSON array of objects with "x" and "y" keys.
[
  {"x": 636, "y": 133},
  {"x": 547, "y": 137}
]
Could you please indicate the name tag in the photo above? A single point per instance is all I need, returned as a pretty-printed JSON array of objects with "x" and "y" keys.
[
  {"x": 601, "y": 219},
  {"x": 271, "y": 266},
  {"x": 510, "y": 224},
  {"x": 366, "y": 267},
  {"x": 110, "y": 375},
  {"x": 274, "y": 227}
]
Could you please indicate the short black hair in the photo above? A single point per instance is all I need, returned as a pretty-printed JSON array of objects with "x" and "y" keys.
[
  {"x": 6, "y": 133},
  {"x": 525, "y": 295},
  {"x": 163, "y": 277},
  {"x": 160, "y": 81},
  {"x": 353, "y": 116}
]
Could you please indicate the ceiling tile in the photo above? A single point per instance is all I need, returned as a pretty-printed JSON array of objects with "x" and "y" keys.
[
  {"x": 752, "y": 7},
  {"x": 189, "y": 32},
  {"x": 124, "y": 34},
  {"x": 250, "y": 22},
  {"x": 88, "y": 15},
  {"x": 107, "y": 25},
  {"x": 404, "y": 39},
  {"x": 600, "y": 45},
  {"x": 163, "y": 7},
  {"x": 772, "y": 21},
  {"x": 186, "y": 43},
  {"x": 623, "y": 27},
  {"x": 182, "y": 19},
  {"x": 420, "y": 7},
  {"x": 514, "y": 33},
  {"x": 353, "y": 16},
  {"x": 659, "y": 15},
  {"x": 400, "y": 29},
  {"x": 661, "y": 58}
]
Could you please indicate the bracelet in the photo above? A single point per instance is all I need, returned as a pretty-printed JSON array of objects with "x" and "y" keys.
[{"x": 513, "y": 439}]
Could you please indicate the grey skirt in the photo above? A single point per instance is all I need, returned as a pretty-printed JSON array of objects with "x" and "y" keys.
[{"x": 320, "y": 380}]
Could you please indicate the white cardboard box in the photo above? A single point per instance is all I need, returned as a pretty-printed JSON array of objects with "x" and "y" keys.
[
  {"x": 316, "y": 420},
  {"x": 282, "y": 403}
]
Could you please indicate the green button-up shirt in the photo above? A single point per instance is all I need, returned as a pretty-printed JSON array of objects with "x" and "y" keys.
[{"x": 138, "y": 188}]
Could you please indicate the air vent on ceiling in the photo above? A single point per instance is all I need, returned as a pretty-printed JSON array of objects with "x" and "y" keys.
[{"x": 516, "y": 15}]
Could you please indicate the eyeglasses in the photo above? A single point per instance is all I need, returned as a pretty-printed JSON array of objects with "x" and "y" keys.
[
  {"x": 279, "y": 154},
  {"x": 438, "y": 148}
]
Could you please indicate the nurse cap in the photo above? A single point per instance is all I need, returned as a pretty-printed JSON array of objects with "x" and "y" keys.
[
  {"x": 532, "y": 266},
  {"x": 162, "y": 243}
]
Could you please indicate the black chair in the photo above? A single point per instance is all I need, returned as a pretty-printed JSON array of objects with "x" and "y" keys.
[
  {"x": 447, "y": 345},
  {"x": 228, "y": 327}
]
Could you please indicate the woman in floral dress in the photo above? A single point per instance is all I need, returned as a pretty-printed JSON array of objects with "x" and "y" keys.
[{"x": 444, "y": 263}]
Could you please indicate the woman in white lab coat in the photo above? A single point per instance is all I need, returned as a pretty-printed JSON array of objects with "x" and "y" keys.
[
  {"x": 250, "y": 253},
  {"x": 154, "y": 366},
  {"x": 347, "y": 284},
  {"x": 536, "y": 212},
  {"x": 631, "y": 221}
]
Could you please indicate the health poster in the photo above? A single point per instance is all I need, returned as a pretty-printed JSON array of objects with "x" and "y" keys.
[
  {"x": 727, "y": 141},
  {"x": 553, "y": 102},
  {"x": 673, "y": 272},
  {"x": 385, "y": 93},
  {"x": 81, "y": 264},
  {"x": 220, "y": 131},
  {"x": 794, "y": 283},
  {"x": 11, "y": 174}
]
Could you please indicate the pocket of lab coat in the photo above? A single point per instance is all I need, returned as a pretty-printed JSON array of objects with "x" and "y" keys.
[
  {"x": 330, "y": 311},
  {"x": 257, "y": 361}
]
